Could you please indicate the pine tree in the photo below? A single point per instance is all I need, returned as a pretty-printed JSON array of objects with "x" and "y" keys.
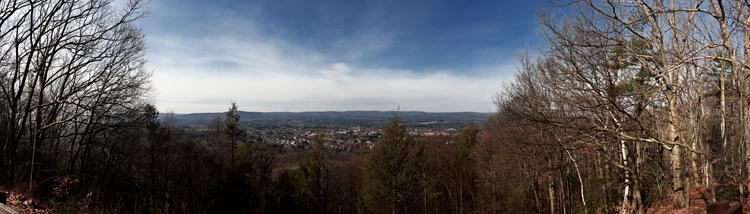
[
  {"x": 392, "y": 173},
  {"x": 465, "y": 174},
  {"x": 249, "y": 169},
  {"x": 233, "y": 132}
]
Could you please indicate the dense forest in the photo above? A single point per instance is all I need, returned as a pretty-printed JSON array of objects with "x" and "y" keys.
[{"x": 628, "y": 107}]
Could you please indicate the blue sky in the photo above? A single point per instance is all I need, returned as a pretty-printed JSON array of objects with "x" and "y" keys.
[{"x": 283, "y": 55}]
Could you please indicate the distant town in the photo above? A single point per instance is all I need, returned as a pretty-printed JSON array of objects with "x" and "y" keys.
[{"x": 340, "y": 131}]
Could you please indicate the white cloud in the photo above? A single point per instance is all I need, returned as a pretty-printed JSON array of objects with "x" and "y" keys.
[
  {"x": 201, "y": 92},
  {"x": 264, "y": 74},
  {"x": 337, "y": 70}
]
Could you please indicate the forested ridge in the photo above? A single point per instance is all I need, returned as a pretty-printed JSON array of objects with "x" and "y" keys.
[{"x": 627, "y": 107}]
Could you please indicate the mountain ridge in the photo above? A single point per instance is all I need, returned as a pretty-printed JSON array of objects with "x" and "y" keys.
[{"x": 334, "y": 117}]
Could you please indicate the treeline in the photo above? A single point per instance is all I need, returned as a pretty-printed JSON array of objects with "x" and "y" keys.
[
  {"x": 79, "y": 134},
  {"x": 630, "y": 105},
  {"x": 153, "y": 166},
  {"x": 226, "y": 172}
]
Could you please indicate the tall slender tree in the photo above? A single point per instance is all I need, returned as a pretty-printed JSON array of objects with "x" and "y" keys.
[
  {"x": 233, "y": 132},
  {"x": 392, "y": 178},
  {"x": 315, "y": 178}
]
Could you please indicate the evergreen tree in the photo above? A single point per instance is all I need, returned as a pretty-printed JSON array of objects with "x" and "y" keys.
[
  {"x": 314, "y": 177},
  {"x": 392, "y": 173},
  {"x": 233, "y": 131},
  {"x": 253, "y": 173},
  {"x": 464, "y": 166},
  {"x": 249, "y": 169}
]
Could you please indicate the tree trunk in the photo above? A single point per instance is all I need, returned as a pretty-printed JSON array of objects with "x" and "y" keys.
[
  {"x": 745, "y": 89},
  {"x": 551, "y": 191},
  {"x": 625, "y": 207},
  {"x": 580, "y": 181},
  {"x": 636, "y": 177}
]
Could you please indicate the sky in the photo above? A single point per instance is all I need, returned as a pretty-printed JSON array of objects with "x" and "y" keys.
[{"x": 334, "y": 55}]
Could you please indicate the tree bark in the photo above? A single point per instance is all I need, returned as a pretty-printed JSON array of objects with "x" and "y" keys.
[{"x": 625, "y": 207}]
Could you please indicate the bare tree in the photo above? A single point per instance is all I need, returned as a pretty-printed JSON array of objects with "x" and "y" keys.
[{"x": 69, "y": 69}]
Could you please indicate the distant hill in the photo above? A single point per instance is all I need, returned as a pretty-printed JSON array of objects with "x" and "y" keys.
[{"x": 337, "y": 117}]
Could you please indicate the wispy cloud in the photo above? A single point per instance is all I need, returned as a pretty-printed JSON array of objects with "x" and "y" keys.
[
  {"x": 337, "y": 70},
  {"x": 382, "y": 90},
  {"x": 201, "y": 66},
  {"x": 200, "y": 76}
]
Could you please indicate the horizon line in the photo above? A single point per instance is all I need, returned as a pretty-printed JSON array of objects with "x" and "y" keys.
[{"x": 317, "y": 111}]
